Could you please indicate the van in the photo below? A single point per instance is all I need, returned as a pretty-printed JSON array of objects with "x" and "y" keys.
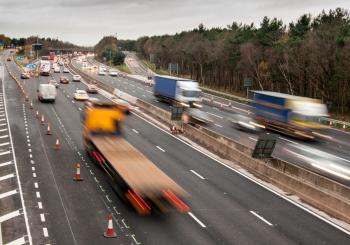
[{"x": 47, "y": 92}]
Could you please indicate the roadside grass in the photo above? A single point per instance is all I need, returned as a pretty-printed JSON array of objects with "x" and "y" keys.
[
  {"x": 123, "y": 68},
  {"x": 153, "y": 68}
]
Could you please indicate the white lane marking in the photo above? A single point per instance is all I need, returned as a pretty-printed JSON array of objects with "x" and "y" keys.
[
  {"x": 36, "y": 186},
  {"x": 46, "y": 233},
  {"x": 9, "y": 216},
  {"x": 3, "y": 124},
  {"x": 261, "y": 218},
  {"x": 125, "y": 224},
  {"x": 160, "y": 148},
  {"x": 4, "y": 136},
  {"x": 3, "y": 130},
  {"x": 40, "y": 205},
  {"x": 133, "y": 237},
  {"x": 30, "y": 156},
  {"x": 7, "y": 177},
  {"x": 34, "y": 175},
  {"x": 79, "y": 109},
  {"x": 196, "y": 219},
  {"x": 215, "y": 115},
  {"x": 29, "y": 150},
  {"x": 288, "y": 140},
  {"x": 32, "y": 162},
  {"x": 19, "y": 241},
  {"x": 135, "y": 131},
  {"x": 42, "y": 217},
  {"x": 197, "y": 174},
  {"x": 299, "y": 205},
  {"x": 37, "y": 194},
  {"x": 252, "y": 138},
  {"x": 218, "y": 125},
  {"x": 5, "y": 152},
  {"x": 107, "y": 197},
  {"x": 9, "y": 193},
  {"x": 33, "y": 168},
  {"x": 5, "y": 163}
]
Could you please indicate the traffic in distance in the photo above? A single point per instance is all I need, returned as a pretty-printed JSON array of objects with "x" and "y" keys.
[{"x": 216, "y": 135}]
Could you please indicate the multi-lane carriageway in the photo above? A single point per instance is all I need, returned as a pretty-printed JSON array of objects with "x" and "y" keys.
[
  {"x": 331, "y": 156},
  {"x": 227, "y": 207}
]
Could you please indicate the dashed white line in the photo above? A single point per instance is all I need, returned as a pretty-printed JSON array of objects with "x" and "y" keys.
[
  {"x": 42, "y": 217},
  {"x": 160, "y": 148},
  {"x": 34, "y": 175},
  {"x": 125, "y": 224},
  {"x": 40, "y": 205},
  {"x": 135, "y": 131},
  {"x": 33, "y": 168},
  {"x": 9, "y": 216},
  {"x": 5, "y": 163},
  {"x": 3, "y": 130},
  {"x": 37, "y": 194},
  {"x": 5, "y": 152},
  {"x": 36, "y": 186},
  {"x": 197, "y": 174},
  {"x": 218, "y": 125},
  {"x": 133, "y": 237},
  {"x": 4, "y": 136},
  {"x": 215, "y": 115},
  {"x": 196, "y": 219},
  {"x": 252, "y": 138},
  {"x": 46, "y": 233},
  {"x": 261, "y": 218},
  {"x": 9, "y": 193},
  {"x": 107, "y": 197}
]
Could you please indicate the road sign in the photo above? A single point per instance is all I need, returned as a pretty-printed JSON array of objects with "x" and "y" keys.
[
  {"x": 265, "y": 146},
  {"x": 21, "y": 57},
  {"x": 31, "y": 66},
  {"x": 248, "y": 82},
  {"x": 176, "y": 113}
]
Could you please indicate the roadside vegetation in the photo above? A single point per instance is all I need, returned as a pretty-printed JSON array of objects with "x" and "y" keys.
[{"x": 309, "y": 57}]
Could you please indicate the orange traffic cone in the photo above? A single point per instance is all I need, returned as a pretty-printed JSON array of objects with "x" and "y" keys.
[
  {"x": 48, "y": 130},
  {"x": 110, "y": 233},
  {"x": 57, "y": 144},
  {"x": 77, "y": 176},
  {"x": 42, "y": 119}
]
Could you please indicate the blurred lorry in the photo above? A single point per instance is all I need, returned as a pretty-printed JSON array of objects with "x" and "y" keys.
[
  {"x": 288, "y": 114},
  {"x": 133, "y": 176},
  {"x": 47, "y": 92},
  {"x": 177, "y": 91},
  {"x": 44, "y": 68}
]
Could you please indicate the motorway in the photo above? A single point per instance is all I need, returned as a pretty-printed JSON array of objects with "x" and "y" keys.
[
  {"x": 328, "y": 157},
  {"x": 227, "y": 207}
]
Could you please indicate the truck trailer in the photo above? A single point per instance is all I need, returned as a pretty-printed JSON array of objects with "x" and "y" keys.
[
  {"x": 288, "y": 114},
  {"x": 133, "y": 176},
  {"x": 177, "y": 91},
  {"x": 45, "y": 66}
]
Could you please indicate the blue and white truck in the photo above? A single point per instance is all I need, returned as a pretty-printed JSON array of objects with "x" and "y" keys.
[
  {"x": 288, "y": 114},
  {"x": 175, "y": 90}
]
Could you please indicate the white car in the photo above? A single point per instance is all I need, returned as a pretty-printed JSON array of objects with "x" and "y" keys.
[
  {"x": 76, "y": 78},
  {"x": 101, "y": 72},
  {"x": 81, "y": 95},
  {"x": 113, "y": 73},
  {"x": 65, "y": 70},
  {"x": 57, "y": 69}
]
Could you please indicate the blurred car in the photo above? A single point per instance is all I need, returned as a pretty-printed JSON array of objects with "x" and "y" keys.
[
  {"x": 101, "y": 72},
  {"x": 245, "y": 123},
  {"x": 64, "y": 80},
  {"x": 8, "y": 59},
  {"x": 76, "y": 78},
  {"x": 65, "y": 70},
  {"x": 57, "y": 69},
  {"x": 194, "y": 115},
  {"x": 113, "y": 73},
  {"x": 25, "y": 75},
  {"x": 123, "y": 105},
  {"x": 81, "y": 95},
  {"x": 92, "y": 88},
  {"x": 54, "y": 82}
]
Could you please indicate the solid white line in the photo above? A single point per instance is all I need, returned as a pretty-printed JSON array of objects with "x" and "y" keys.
[
  {"x": 135, "y": 131},
  {"x": 299, "y": 205},
  {"x": 19, "y": 241},
  {"x": 215, "y": 115},
  {"x": 46, "y": 234},
  {"x": 7, "y": 177},
  {"x": 218, "y": 125},
  {"x": 261, "y": 218},
  {"x": 5, "y": 163},
  {"x": 42, "y": 217},
  {"x": 9, "y": 216},
  {"x": 37, "y": 194},
  {"x": 9, "y": 193},
  {"x": 160, "y": 148},
  {"x": 196, "y": 219},
  {"x": 5, "y": 152},
  {"x": 40, "y": 205},
  {"x": 198, "y": 175}
]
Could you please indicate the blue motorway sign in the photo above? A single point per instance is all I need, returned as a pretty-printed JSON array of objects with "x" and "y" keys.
[
  {"x": 31, "y": 66},
  {"x": 21, "y": 57}
]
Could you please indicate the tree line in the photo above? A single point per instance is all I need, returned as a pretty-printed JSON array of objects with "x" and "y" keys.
[{"x": 309, "y": 57}]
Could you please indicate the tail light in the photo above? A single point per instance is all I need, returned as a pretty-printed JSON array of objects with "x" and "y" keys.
[
  {"x": 138, "y": 202},
  {"x": 175, "y": 201}
]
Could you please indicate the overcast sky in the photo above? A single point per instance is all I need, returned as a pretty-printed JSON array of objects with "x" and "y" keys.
[{"x": 85, "y": 22}]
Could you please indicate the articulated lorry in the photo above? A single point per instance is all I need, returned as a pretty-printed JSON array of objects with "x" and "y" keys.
[
  {"x": 133, "y": 176},
  {"x": 292, "y": 115},
  {"x": 177, "y": 91}
]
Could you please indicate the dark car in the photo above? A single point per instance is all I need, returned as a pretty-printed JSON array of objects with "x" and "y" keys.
[{"x": 25, "y": 75}]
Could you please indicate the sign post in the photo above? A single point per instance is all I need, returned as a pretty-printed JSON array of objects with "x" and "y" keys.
[
  {"x": 248, "y": 82},
  {"x": 264, "y": 146}
]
